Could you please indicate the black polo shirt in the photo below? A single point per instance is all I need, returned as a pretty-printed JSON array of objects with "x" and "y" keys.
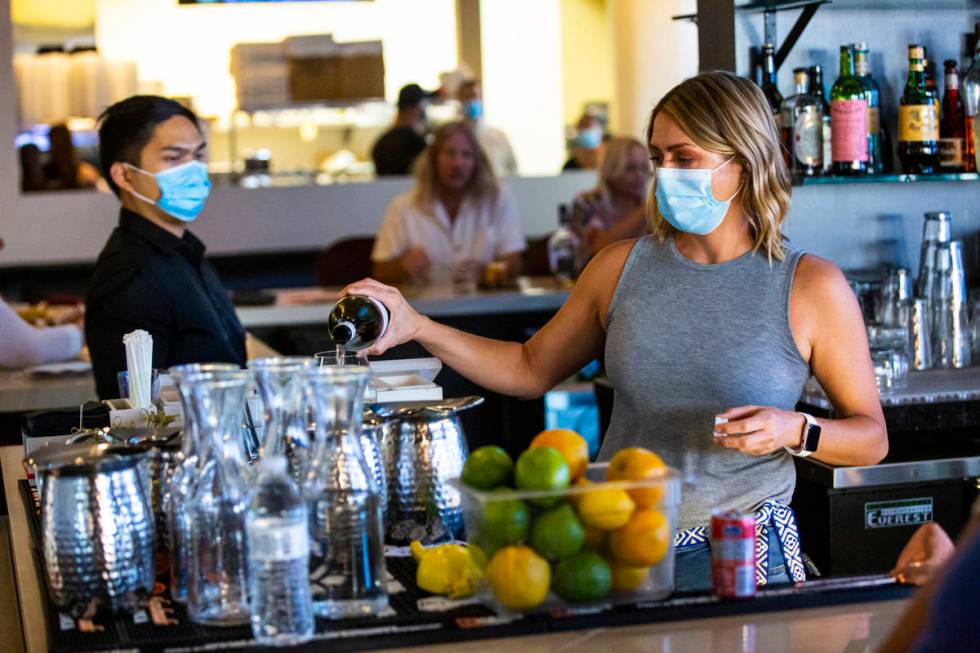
[
  {"x": 147, "y": 278},
  {"x": 396, "y": 150}
]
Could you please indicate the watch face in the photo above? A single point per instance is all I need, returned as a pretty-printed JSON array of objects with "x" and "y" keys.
[{"x": 812, "y": 437}]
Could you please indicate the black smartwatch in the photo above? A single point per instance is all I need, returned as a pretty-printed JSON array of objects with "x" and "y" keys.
[{"x": 811, "y": 438}]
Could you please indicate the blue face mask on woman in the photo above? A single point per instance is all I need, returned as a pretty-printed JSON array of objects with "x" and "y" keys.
[
  {"x": 685, "y": 200},
  {"x": 473, "y": 109},
  {"x": 183, "y": 189}
]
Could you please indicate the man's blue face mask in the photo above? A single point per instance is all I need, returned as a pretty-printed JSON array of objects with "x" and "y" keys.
[{"x": 183, "y": 189}]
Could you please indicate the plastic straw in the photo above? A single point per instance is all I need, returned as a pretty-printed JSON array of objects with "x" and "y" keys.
[{"x": 139, "y": 364}]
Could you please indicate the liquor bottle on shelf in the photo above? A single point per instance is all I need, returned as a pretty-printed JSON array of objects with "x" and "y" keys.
[
  {"x": 802, "y": 121},
  {"x": 563, "y": 249},
  {"x": 769, "y": 86},
  {"x": 971, "y": 103},
  {"x": 931, "y": 85},
  {"x": 818, "y": 91},
  {"x": 952, "y": 123},
  {"x": 849, "y": 119},
  {"x": 918, "y": 122},
  {"x": 863, "y": 72}
]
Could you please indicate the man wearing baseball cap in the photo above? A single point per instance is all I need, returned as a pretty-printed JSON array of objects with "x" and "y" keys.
[{"x": 398, "y": 147}]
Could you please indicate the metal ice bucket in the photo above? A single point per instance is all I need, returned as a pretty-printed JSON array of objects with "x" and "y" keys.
[
  {"x": 97, "y": 525},
  {"x": 424, "y": 446}
]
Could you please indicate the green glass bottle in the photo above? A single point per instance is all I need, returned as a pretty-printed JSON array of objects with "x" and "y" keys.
[
  {"x": 918, "y": 120},
  {"x": 863, "y": 72},
  {"x": 849, "y": 119}
]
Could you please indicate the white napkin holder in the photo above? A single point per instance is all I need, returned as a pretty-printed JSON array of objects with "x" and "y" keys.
[{"x": 410, "y": 379}]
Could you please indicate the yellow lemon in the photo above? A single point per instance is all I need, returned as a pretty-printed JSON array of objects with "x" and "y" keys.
[
  {"x": 626, "y": 578},
  {"x": 606, "y": 509},
  {"x": 519, "y": 577}
]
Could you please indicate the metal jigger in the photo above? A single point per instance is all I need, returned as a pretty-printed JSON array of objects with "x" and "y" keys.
[{"x": 919, "y": 335}]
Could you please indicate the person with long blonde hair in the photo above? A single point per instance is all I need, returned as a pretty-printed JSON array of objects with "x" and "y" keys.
[
  {"x": 614, "y": 209},
  {"x": 709, "y": 327},
  {"x": 456, "y": 220}
]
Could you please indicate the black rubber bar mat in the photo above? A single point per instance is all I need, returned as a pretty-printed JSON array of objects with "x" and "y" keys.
[{"x": 164, "y": 626}]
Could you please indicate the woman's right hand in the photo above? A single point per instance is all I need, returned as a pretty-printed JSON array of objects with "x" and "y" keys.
[
  {"x": 404, "y": 323},
  {"x": 416, "y": 263}
]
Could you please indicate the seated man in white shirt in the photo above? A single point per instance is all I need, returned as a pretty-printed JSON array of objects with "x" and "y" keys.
[
  {"x": 454, "y": 222},
  {"x": 493, "y": 141}
]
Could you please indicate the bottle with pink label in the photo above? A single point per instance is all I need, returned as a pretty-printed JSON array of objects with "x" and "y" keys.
[{"x": 849, "y": 119}]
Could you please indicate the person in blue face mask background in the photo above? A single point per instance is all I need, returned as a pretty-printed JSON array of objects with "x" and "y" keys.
[
  {"x": 493, "y": 141},
  {"x": 585, "y": 148},
  {"x": 152, "y": 273}
]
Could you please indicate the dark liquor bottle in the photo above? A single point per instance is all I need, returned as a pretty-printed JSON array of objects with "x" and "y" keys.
[
  {"x": 931, "y": 85},
  {"x": 953, "y": 122},
  {"x": 863, "y": 72},
  {"x": 357, "y": 322},
  {"x": 971, "y": 102},
  {"x": 802, "y": 121},
  {"x": 849, "y": 119},
  {"x": 769, "y": 87},
  {"x": 818, "y": 91},
  {"x": 918, "y": 124}
]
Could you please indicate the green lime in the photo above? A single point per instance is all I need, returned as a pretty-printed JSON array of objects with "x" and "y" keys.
[
  {"x": 585, "y": 576},
  {"x": 488, "y": 467},
  {"x": 542, "y": 468},
  {"x": 503, "y": 522},
  {"x": 557, "y": 533}
]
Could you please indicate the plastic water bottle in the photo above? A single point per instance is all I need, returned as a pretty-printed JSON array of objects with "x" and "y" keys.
[
  {"x": 563, "y": 249},
  {"x": 279, "y": 558}
]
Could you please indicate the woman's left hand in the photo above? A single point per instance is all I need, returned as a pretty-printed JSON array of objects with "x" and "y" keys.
[{"x": 758, "y": 430}]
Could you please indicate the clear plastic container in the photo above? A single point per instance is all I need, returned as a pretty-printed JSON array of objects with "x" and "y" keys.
[{"x": 491, "y": 526}]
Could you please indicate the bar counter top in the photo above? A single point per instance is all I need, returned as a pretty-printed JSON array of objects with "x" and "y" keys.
[
  {"x": 730, "y": 627},
  {"x": 312, "y": 306}
]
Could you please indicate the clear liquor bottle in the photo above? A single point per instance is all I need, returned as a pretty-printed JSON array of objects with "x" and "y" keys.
[
  {"x": 849, "y": 119},
  {"x": 918, "y": 122},
  {"x": 802, "y": 121},
  {"x": 819, "y": 91}
]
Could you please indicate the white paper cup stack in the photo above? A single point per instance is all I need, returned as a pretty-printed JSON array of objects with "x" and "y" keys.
[{"x": 139, "y": 364}]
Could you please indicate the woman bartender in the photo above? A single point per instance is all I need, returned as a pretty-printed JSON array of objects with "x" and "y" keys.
[{"x": 712, "y": 316}]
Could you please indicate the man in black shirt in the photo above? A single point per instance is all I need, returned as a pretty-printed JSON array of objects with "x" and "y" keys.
[
  {"x": 152, "y": 274},
  {"x": 398, "y": 147}
]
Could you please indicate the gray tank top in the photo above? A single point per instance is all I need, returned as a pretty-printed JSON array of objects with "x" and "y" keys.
[{"x": 686, "y": 341}]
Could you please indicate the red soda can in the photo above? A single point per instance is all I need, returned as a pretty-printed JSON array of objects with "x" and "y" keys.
[{"x": 733, "y": 554}]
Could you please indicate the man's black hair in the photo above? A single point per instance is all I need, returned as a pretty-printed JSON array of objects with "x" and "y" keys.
[{"x": 127, "y": 126}]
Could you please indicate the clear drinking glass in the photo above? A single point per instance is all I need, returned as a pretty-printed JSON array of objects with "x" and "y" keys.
[
  {"x": 347, "y": 525},
  {"x": 180, "y": 489},
  {"x": 280, "y": 382},
  {"x": 895, "y": 298},
  {"x": 883, "y": 360},
  {"x": 218, "y": 587}
]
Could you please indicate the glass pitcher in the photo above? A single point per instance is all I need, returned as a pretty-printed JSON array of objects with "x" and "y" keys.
[
  {"x": 180, "y": 489},
  {"x": 218, "y": 584},
  {"x": 347, "y": 570},
  {"x": 280, "y": 383}
]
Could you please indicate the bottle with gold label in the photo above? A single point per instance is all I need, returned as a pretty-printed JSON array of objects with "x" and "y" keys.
[{"x": 918, "y": 121}]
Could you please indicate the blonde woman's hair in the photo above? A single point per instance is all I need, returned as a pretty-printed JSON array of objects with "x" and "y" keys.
[
  {"x": 614, "y": 160},
  {"x": 483, "y": 182},
  {"x": 729, "y": 115}
]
